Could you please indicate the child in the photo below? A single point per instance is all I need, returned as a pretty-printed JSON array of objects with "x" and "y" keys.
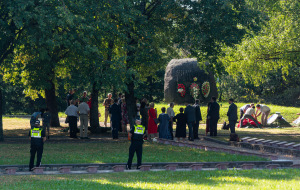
[
  {"x": 46, "y": 122},
  {"x": 37, "y": 137},
  {"x": 137, "y": 134},
  {"x": 180, "y": 125}
]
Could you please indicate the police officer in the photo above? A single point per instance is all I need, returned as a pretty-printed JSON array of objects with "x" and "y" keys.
[
  {"x": 37, "y": 137},
  {"x": 137, "y": 134}
]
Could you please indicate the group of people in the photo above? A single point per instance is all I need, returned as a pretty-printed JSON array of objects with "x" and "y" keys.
[{"x": 248, "y": 112}]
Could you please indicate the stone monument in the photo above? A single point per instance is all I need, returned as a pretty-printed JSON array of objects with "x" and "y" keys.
[{"x": 185, "y": 82}]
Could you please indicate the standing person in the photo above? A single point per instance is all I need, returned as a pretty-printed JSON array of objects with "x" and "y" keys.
[
  {"x": 137, "y": 134},
  {"x": 244, "y": 108},
  {"x": 213, "y": 116},
  {"x": 152, "y": 126},
  {"x": 37, "y": 138},
  {"x": 84, "y": 97},
  {"x": 125, "y": 120},
  {"x": 116, "y": 117},
  {"x": 71, "y": 112},
  {"x": 107, "y": 103},
  {"x": 120, "y": 99},
  {"x": 190, "y": 115},
  {"x": 70, "y": 96},
  {"x": 83, "y": 112},
  {"x": 35, "y": 116},
  {"x": 198, "y": 119},
  {"x": 250, "y": 114},
  {"x": 144, "y": 114},
  {"x": 46, "y": 122},
  {"x": 207, "y": 120},
  {"x": 232, "y": 115},
  {"x": 171, "y": 114},
  {"x": 180, "y": 120},
  {"x": 164, "y": 123},
  {"x": 138, "y": 108},
  {"x": 264, "y": 111}
]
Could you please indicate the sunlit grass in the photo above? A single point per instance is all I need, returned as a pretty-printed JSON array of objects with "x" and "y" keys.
[{"x": 242, "y": 179}]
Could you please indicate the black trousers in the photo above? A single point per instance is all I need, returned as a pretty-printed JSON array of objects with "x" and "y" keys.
[
  {"x": 115, "y": 129},
  {"x": 232, "y": 125},
  {"x": 136, "y": 146},
  {"x": 191, "y": 126},
  {"x": 213, "y": 123},
  {"x": 196, "y": 129},
  {"x": 242, "y": 114},
  {"x": 73, "y": 126},
  {"x": 33, "y": 150}
]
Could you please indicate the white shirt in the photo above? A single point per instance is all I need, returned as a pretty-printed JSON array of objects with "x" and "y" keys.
[
  {"x": 250, "y": 111},
  {"x": 170, "y": 112},
  {"x": 71, "y": 111},
  {"x": 264, "y": 108},
  {"x": 83, "y": 108},
  {"x": 245, "y": 107}
]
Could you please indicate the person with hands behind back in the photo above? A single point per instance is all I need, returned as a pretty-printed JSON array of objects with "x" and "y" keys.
[
  {"x": 137, "y": 134},
  {"x": 37, "y": 137}
]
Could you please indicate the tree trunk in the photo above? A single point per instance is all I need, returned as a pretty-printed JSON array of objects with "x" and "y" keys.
[
  {"x": 1, "y": 111},
  {"x": 94, "y": 119},
  {"x": 131, "y": 103},
  {"x": 52, "y": 105}
]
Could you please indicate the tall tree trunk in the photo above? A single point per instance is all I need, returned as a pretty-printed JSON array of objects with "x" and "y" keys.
[
  {"x": 94, "y": 119},
  {"x": 52, "y": 105},
  {"x": 130, "y": 102},
  {"x": 1, "y": 111}
]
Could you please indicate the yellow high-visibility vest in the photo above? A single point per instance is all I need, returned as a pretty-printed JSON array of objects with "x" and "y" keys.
[
  {"x": 139, "y": 129},
  {"x": 36, "y": 132}
]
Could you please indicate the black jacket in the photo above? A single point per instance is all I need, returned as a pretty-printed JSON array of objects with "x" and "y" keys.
[
  {"x": 115, "y": 112},
  {"x": 214, "y": 111},
  {"x": 198, "y": 112},
  {"x": 232, "y": 112},
  {"x": 136, "y": 137},
  {"x": 190, "y": 114}
]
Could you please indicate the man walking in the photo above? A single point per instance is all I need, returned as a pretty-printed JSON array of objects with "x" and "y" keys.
[
  {"x": 107, "y": 103},
  {"x": 116, "y": 117},
  {"x": 190, "y": 115},
  {"x": 198, "y": 119},
  {"x": 83, "y": 112},
  {"x": 232, "y": 115},
  {"x": 213, "y": 115}
]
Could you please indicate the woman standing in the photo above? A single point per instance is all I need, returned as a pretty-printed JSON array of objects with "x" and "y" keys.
[
  {"x": 125, "y": 120},
  {"x": 144, "y": 114},
  {"x": 152, "y": 126},
  {"x": 207, "y": 120},
  {"x": 180, "y": 120},
  {"x": 164, "y": 119}
]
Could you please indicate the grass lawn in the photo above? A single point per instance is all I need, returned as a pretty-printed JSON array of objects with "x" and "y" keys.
[
  {"x": 289, "y": 113},
  {"x": 224, "y": 180},
  {"x": 112, "y": 152}
]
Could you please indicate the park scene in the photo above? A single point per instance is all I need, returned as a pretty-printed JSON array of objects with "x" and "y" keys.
[{"x": 149, "y": 94}]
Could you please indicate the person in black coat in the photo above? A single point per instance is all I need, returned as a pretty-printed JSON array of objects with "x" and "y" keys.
[
  {"x": 232, "y": 115},
  {"x": 213, "y": 115},
  {"x": 190, "y": 115},
  {"x": 116, "y": 117},
  {"x": 180, "y": 120},
  {"x": 198, "y": 119}
]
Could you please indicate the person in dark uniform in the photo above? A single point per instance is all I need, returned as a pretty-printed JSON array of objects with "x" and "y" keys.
[
  {"x": 232, "y": 115},
  {"x": 37, "y": 137},
  {"x": 137, "y": 134},
  {"x": 198, "y": 119},
  {"x": 116, "y": 116},
  {"x": 190, "y": 114},
  {"x": 213, "y": 115}
]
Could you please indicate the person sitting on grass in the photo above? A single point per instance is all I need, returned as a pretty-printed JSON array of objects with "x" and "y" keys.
[
  {"x": 180, "y": 120},
  {"x": 137, "y": 134},
  {"x": 37, "y": 137}
]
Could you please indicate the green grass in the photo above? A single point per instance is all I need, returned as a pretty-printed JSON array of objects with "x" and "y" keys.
[
  {"x": 289, "y": 113},
  {"x": 223, "y": 180},
  {"x": 112, "y": 152}
]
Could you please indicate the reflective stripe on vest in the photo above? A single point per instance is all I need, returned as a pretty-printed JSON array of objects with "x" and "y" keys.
[
  {"x": 139, "y": 129},
  {"x": 36, "y": 133}
]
